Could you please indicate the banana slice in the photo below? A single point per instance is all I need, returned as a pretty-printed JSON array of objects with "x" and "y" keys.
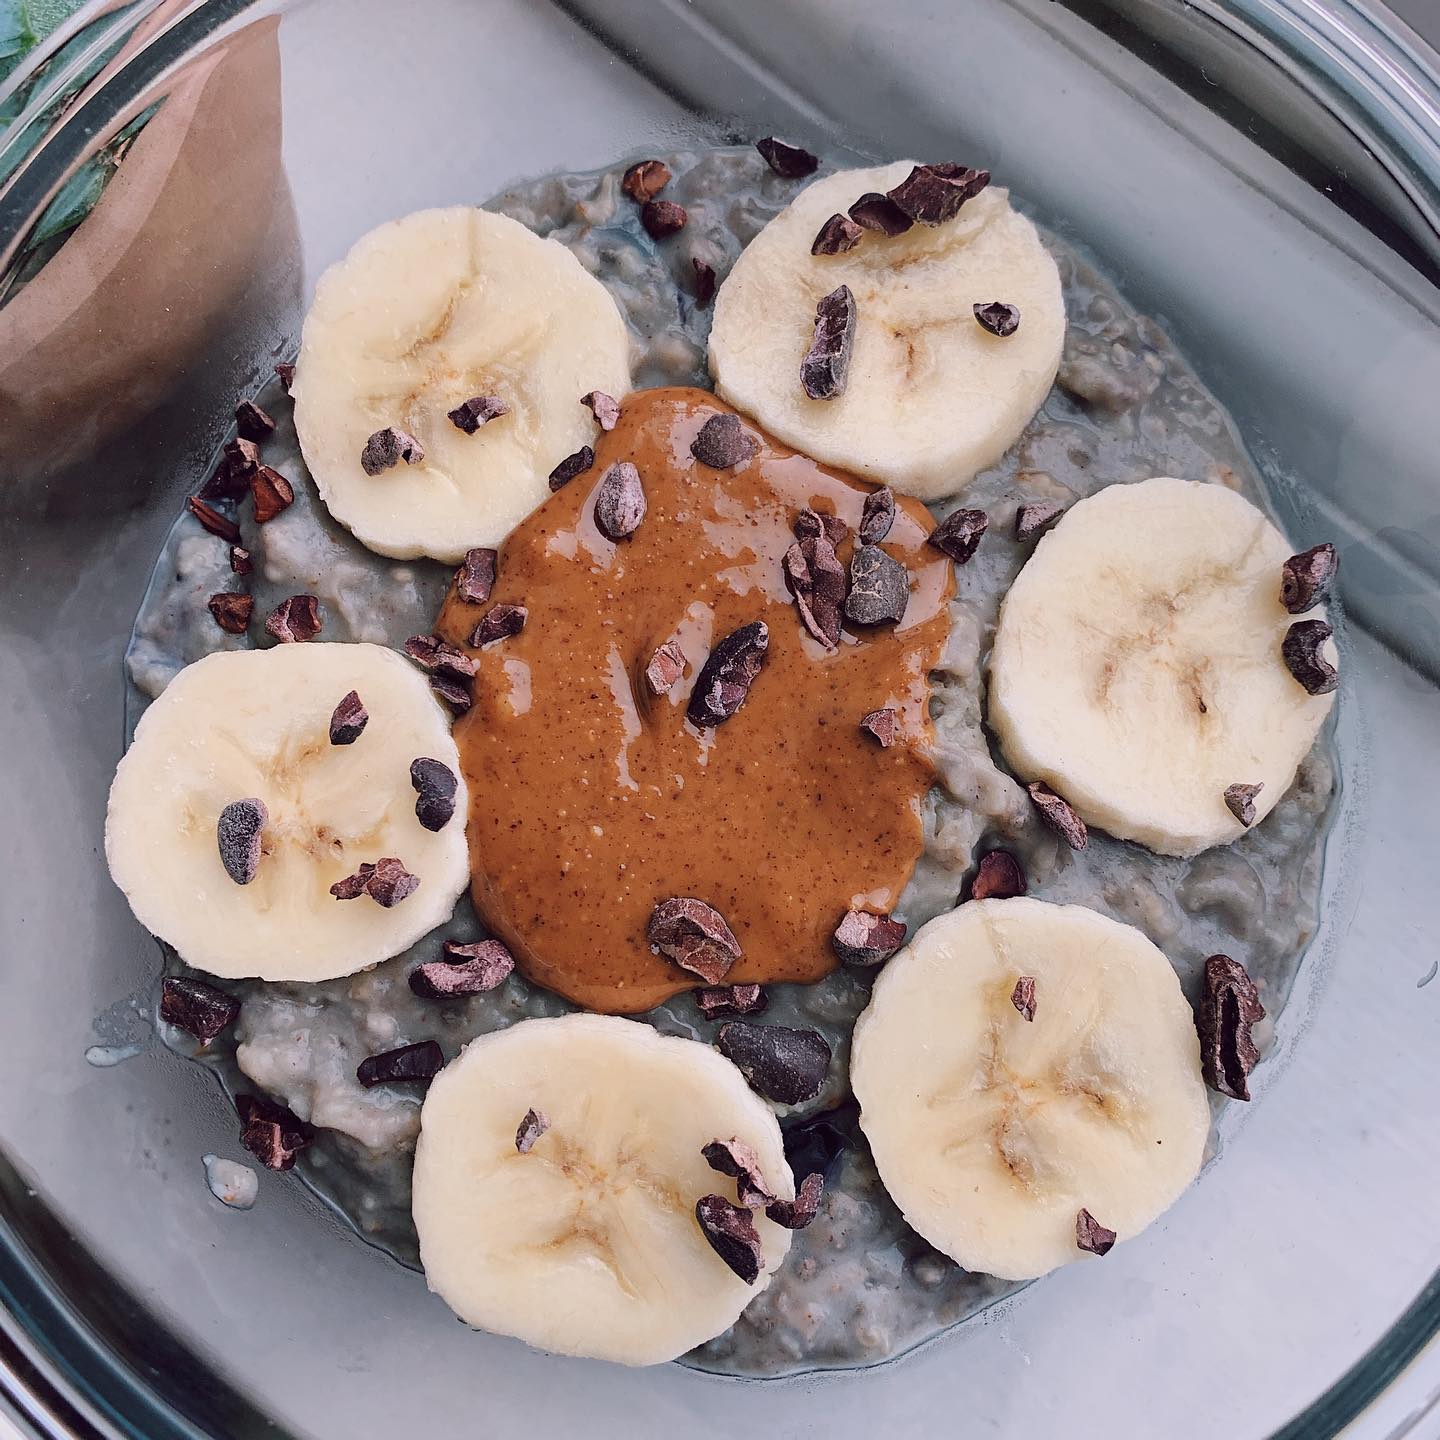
[
  {"x": 424, "y": 314},
  {"x": 993, "y": 1132},
  {"x": 933, "y": 396},
  {"x": 1137, "y": 665},
  {"x": 255, "y": 725},
  {"x": 586, "y": 1242}
]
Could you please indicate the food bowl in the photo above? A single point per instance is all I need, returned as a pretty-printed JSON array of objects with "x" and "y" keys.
[{"x": 1262, "y": 179}]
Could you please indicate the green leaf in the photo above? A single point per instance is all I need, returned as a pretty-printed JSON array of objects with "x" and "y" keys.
[
  {"x": 48, "y": 15},
  {"x": 73, "y": 202},
  {"x": 16, "y": 36}
]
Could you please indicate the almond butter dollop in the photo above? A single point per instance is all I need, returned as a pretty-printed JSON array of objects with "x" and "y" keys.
[{"x": 592, "y": 798}]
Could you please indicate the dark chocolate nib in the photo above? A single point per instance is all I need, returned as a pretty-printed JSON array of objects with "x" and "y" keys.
[
  {"x": 1240, "y": 800},
  {"x": 409, "y": 1062},
  {"x": 270, "y": 1132},
  {"x": 779, "y": 1063},
  {"x": 788, "y": 161},
  {"x": 718, "y": 1001},
  {"x": 465, "y": 970},
  {"x": 933, "y": 194},
  {"x": 571, "y": 466},
  {"x": 1229, "y": 1007},
  {"x": 865, "y": 939},
  {"x": 1059, "y": 816},
  {"x": 479, "y": 410},
  {"x": 838, "y": 234},
  {"x": 999, "y": 877},
  {"x": 533, "y": 1124},
  {"x": 1091, "y": 1236},
  {"x": 727, "y": 675},
  {"x": 1022, "y": 997},
  {"x": 825, "y": 368},
  {"x": 476, "y": 576},
  {"x": 388, "y": 447},
  {"x": 878, "y": 515},
  {"x": 619, "y": 501},
  {"x": 192, "y": 1005},
  {"x": 695, "y": 936},
  {"x": 873, "y": 211},
  {"x": 237, "y": 832},
  {"x": 348, "y": 720},
  {"x": 723, "y": 442},
  {"x": 1303, "y": 653},
  {"x": 998, "y": 318},
  {"x": 959, "y": 534},
  {"x": 735, "y": 1158},
  {"x": 294, "y": 620},
  {"x": 435, "y": 785},
  {"x": 730, "y": 1229},
  {"x": 1305, "y": 579},
  {"x": 879, "y": 587}
]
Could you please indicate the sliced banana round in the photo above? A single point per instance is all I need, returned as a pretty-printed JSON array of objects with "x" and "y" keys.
[
  {"x": 1137, "y": 666},
  {"x": 586, "y": 1242},
  {"x": 993, "y": 1132},
  {"x": 424, "y": 314},
  {"x": 246, "y": 726},
  {"x": 933, "y": 397}
]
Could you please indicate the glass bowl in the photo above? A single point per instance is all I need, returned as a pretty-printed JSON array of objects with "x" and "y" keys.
[{"x": 1263, "y": 176}]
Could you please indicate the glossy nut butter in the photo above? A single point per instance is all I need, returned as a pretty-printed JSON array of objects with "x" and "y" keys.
[{"x": 592, "y": 800}]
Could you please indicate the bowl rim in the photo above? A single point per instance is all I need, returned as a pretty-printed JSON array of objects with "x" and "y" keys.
[{"x": 1368, "y": 68}]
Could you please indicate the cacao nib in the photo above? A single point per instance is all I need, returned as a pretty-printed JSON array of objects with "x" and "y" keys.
[
  {"x": 695, "y": 936},
  {"x": 422, "y": 1062},
  {"x": 730, "y": 1229},
  {"x": 199, "y": 1009},
  {"x": 879, "y": 587},
  {"x": 781, "y": 1064},
  {"x": 435, "y": 784},
  {"x": 825, "y": 368},
  {"x": 998, "y": 877},
  {"x": 499, "y": 623},
  {"x": 570, "y": 467},
  {"x": 231, "y": 611},
  {"x": 727, "y": 675},
  {"x": 720, "y": 1000},
  {"x": 1305, "y": 579},
  {"x": 933, "y": 194},
  {"x": 476, "y": 576},
  {"x": 865, "y": 939},
  {"x": 348, "y": 720},
  {"x": 619, "y": 501},
  {"x": 1240, "y": 801},
  {"x": 1303, "y": 653},
  {"x": 1022, "y": 997},
  {"x": 723, "y": 442},
  {"x": 533, "y": 1124},
  {"x": 387, "y": 447},
  {"x": 294, "y": 620},
  {"x": 1229, "y": 1008},
  {"x": 788, "y": 161},
  {"x": 645, "y": 179},
  {"x": 959, "y": 534},
  {"x": 237, "y": 833},
  {"x": 465, "y": 970},
  {"x": 1059, "y": 816},
  {"x": 1091, "y": 1236}
]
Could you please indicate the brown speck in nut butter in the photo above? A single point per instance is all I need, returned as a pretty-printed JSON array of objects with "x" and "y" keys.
[{"x": 590, "y": 803}]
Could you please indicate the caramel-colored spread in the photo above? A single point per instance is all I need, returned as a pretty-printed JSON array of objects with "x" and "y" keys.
[{"x": 592, "y": 799}]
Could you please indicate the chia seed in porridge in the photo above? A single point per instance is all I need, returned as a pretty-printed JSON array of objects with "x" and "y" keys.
[{"x": 859, "y": 1286}]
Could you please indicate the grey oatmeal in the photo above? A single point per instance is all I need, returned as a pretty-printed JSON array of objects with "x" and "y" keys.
[{"x": 859, "y": 1286}]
